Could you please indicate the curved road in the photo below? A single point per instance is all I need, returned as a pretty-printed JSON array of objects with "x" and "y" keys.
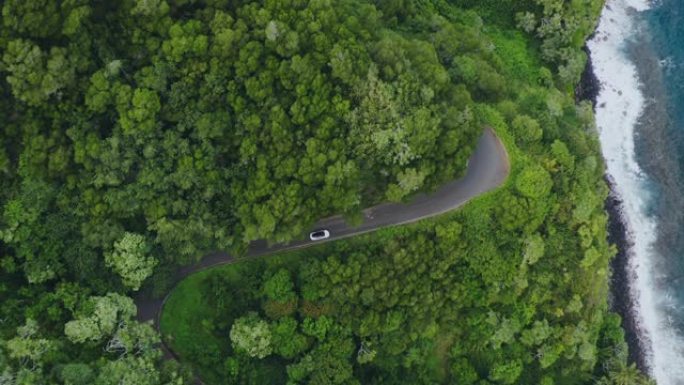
[{"x": 488, "y": 168}]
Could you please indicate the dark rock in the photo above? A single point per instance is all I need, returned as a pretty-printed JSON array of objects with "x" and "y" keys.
[
  {"x": 621, "y": 300},
  {"x": 589, "y": 85}
]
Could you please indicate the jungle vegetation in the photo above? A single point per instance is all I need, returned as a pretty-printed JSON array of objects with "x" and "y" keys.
[{"x": 138, "y": 135}]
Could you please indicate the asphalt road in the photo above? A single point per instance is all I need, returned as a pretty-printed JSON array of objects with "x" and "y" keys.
[{"x": 488, "y": 168}]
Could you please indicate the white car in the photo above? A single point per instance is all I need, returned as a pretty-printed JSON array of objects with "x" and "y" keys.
[{"x": 319, "y": 235}]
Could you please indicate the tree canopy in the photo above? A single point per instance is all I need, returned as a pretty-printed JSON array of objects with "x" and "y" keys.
[{"x": 139, "y": 135}]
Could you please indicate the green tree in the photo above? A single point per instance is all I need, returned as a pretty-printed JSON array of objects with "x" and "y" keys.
[
  {"x": 35, "y": 75},
  {"x": 463, "y": 372},
  {"x": 99, "y": 317},
  {"x": 40, "y": 18},
  {"x": 286, "y": 340},
  {"x": 27, "y": 346},
  {"x": 534, "y": 249},
  {"x": 279, "y": 287},
  {"x": 130, "y": 259},
  {"x": 626, "y": 375},
  {"x": 534, "y": 182},
  {"x": 76, "y": 374},
  {"x": 526, "y": 129},
  {"x": 506, "y": 373},
  {"x": 129, "y": 370},
  {"x": 251, "y": 335}
]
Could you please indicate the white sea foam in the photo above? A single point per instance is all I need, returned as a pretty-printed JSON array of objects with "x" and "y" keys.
[{"x": 619, "y": 105}]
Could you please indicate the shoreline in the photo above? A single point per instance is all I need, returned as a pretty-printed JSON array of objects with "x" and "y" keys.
[{"x": 620, "y": 301}]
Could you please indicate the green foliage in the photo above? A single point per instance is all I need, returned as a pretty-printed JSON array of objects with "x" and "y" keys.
[
  {"x": 563, "y": 27},
  {"x": 99, "y": 317},
  {"x": 252, "y": 336},
  {"x": 534, "y": 249},
  {"x": 130, "y": 370},
  {"x": 76, "y": 374},
  {"x": 318, "y": 327},
  {"x": 39, "y": 18},
  {"x": 526, "y": 128},
  {"x": 111, "y": 349},
  {"x": 35, "y": 75},
  {"x": 510, "y": 290},
  {"x": 506, "y": 373},
  {"x": 138, "y": 135},
  {"x": 130, "y": 259},
  {"x": 534, "y": 182},
  {"x": 224, "y": 125},
  {"x": 287, "y": 341},
  {"x": 27, "y": 346},
  {"x": 279, "y": 287}
]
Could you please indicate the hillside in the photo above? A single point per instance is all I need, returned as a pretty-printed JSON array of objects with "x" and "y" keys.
[{"x": 140, "y": 135}]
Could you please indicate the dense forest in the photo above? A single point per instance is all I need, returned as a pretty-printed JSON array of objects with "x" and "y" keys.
[{"x": 138, "y": 135}]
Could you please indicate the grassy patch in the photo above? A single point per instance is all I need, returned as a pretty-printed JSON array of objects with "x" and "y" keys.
[
  {"x": 439, "y": 360},
  {"x": 183, "y": 321},
  {"x": 496, "y": 12},
  {"x": 520, "y": 60}
]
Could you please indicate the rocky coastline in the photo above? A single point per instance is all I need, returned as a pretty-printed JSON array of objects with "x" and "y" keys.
[{"x": 620, "y": 300}]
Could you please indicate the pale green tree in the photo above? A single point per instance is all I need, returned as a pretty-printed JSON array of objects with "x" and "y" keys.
[
  {"x": 129, "y": 370},
  {"x": 408, "y": 181},
  {"x": 102, "y": 319},
  {"x": 526, "y": 21},
  {"x": 27, "y": 346},
  {"x": 130, "y": 259},
  {"x": 534, "y": 249},
  {"x": 251, "y": 335},
  {"x": 133, "y": 338},
  {"x": 377, "y": 123}
]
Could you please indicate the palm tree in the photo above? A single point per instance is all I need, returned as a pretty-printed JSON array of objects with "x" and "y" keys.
[{"x": 627, "y": 375}]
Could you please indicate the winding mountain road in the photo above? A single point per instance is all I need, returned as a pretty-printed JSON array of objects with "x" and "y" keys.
[{"x": 488, "y": 168}]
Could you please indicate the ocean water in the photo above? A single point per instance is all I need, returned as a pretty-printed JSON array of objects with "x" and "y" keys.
[{"x": 638, "y": 56}]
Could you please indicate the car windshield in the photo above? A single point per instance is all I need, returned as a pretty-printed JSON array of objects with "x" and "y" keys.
[{"x": 318, "y": 233}]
